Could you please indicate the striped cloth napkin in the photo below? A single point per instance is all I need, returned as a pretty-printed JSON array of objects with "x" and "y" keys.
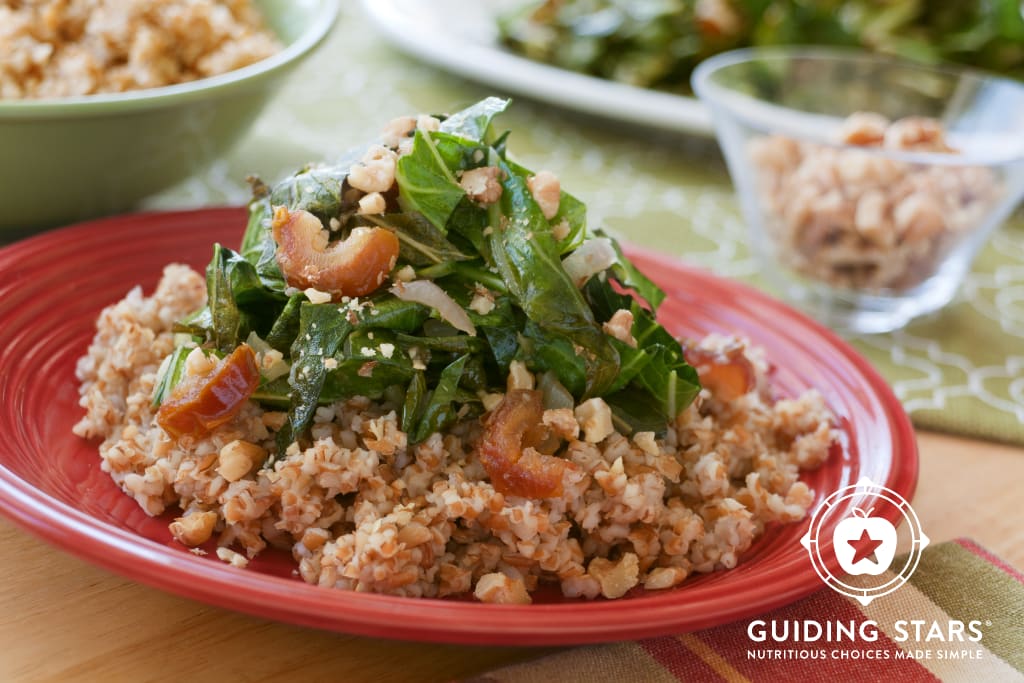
[{"x": 957, "y": 582}]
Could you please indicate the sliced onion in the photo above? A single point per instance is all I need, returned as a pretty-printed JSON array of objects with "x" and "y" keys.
[
  {"x": 429, "y": 294},
  {"x": 553, "y": 392},
  {"x": 592, "y": 257}
]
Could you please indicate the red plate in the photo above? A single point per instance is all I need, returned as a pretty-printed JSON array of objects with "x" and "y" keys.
[{"x": 53, "y": 286}]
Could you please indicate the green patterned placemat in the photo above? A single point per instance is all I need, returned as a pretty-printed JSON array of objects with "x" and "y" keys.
[{"x": 961, "y": 370}]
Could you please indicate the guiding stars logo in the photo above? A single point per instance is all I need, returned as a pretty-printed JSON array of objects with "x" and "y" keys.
[{"x": 863, "y": 541}]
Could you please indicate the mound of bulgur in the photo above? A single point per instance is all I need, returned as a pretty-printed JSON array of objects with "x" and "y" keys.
[
  {"x": 62, "y": 48},
  {"x": 360, "y": 509}
]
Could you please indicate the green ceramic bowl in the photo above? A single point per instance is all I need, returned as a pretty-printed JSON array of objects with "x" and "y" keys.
[{"x": 68, "y": 159}]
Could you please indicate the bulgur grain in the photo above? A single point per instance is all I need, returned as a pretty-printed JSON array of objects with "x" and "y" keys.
[
  {"x": 62, "y": 48},
  {"x": 364, "y": 510}
]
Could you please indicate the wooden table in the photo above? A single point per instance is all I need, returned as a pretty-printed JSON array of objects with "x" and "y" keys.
[{"x": 65, "y": 620}]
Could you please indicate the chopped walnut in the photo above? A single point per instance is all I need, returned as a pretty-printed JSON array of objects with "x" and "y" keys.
[
  {"x": 375, "y": 172},
  {"x": 620, "y": 326},
  {"x": 427, "y": 123},
  {"x": 238, "y": 458},
  {"x": 198, "y": 363},
  {"x": 863, "y": 128},
  {"x": 497, "y": 588},
  {"x": 194, "y": 528},
  {"x": 918, "y": 134},
  {"x": 595, "y": 419},
  {"x": 483, "y": 300},
  {"x": 919, "y": 217},
  {"x": 870, "y": 216},
  {"x": 616, "y": 578},
  {"x": 519, "y": 377},
  {"x": 372, "y": 204},
  {"x": 231, "y": 557},
  {"x": 315, "y": 296},
  {"x": 647, "y": 443},
  {"x": 664, "y": 577},
  {"x": 482, "y": 184},
  {"x": 562, "y": 422},
  {"x": 404, "y": 274},
  {"x": 397, "y": 130},
  {"x": 561, "y": 230},
  {"x": 547, "y": 192},
  {"x": 383, "y": 435},
  {"x": 274, "y": 419},
  {"x": 859, "y": 219},
  {"x": 490, "y": 401}
]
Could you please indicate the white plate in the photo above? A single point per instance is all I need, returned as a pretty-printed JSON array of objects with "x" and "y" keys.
[{"x": 461, "y": 37}]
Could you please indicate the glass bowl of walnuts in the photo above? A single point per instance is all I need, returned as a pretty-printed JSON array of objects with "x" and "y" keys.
[{"x": 868, "y": 183}]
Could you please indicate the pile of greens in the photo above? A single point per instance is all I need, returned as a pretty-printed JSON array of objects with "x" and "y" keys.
[
  {"x": 657, "y": 43},
  {"x": 402, "y": 352}
]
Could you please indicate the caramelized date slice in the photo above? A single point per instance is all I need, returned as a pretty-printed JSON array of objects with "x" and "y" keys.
[
  {"x": 514, "y": 466},
  {"x": 201, "y": 403},
  {"x": 727, "y": 373},
  {"x": 354, "y": 266}
]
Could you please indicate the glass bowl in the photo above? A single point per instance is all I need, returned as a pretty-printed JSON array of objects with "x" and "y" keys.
[{"x": 868, "y": 184}]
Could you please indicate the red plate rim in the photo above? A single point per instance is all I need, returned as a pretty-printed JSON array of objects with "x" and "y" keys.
[{"x": 423, "y": 619}]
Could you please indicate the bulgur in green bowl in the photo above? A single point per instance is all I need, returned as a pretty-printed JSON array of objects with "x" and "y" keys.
[{"x": 65, "y": 159}]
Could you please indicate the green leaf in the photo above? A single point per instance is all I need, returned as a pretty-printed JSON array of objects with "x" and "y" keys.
[
  {"x": 425, "y": 184},
  {"x": 226, "y": 318},
  {"x": 501, "y": 330},
  {"x": 458, "y": 153},
  {"x": 420, "y": 243},
  {"x": 657, "y": 364},
  {"x": 238, "y": 300},
  {"x": 322, "y": 331},
  {"x": 635, "y": 410},
  {"x": 365, "y": 368},
  {"x": 366, "y": 346},
  {"x": 669, "y": 379},
  {"x": 259, "y": 305},
  {"x": 259, "y": 248},
  {"x": 260, "y": 215},
  {"x": 527, "y": 258},
  {"x": 319, "y": 189},
  {"x": 386, "y": 311},
  {"x": 439, "y": 412},
  {"x": 630, "y": 277},
  {"x": 474, "y": 122},
  {"x": 570, "y": 209},
  {"x": 275, "y": 394},
  {"x": 648, "y": 332},
  {"x": 286, "y": 327},
  {"x": 415, "y": 402},
  {"x": 466, "y": 273},
  {"x": 474, "y": 378},
  {"x": 544, "y": 350},
  {"x": 554, "y": 393},
  {"x": 469, "y": 220},
  {"x": 459, "y": 343},
  {"x": 632, "y": 360},
  {"x": 171, "y": 372},
  {"x": 197, "y": 324},
  {"x": 603, "y": 299}
]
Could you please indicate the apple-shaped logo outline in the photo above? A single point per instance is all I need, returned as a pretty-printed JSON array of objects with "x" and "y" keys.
[
  {"x": 859, "y": 537},
  {"x": 819, "y": 522}
]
